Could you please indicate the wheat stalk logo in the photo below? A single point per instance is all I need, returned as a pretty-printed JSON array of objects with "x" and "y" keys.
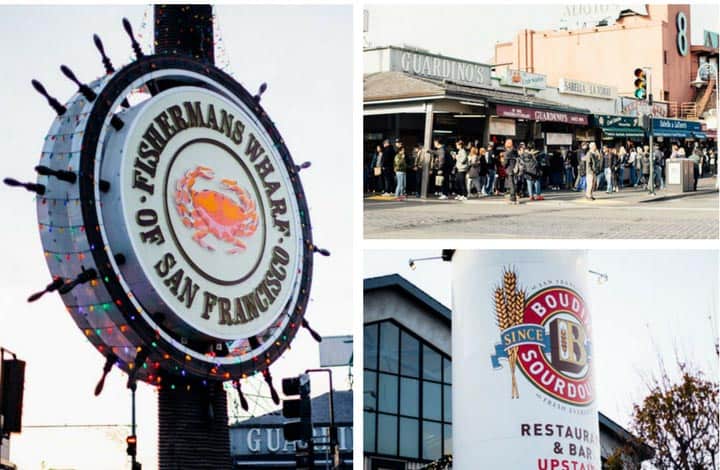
[{"x": 509, "y": 306}]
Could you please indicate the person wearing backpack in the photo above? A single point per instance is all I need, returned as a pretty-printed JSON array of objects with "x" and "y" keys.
[
  {"x": 532, "y": 174},
  {"x": 594, "y": 165}
]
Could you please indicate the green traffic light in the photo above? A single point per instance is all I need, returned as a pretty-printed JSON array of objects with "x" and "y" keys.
[{"x": 640, "y": 93}]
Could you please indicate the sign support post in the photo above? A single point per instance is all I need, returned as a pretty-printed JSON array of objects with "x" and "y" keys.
[{"x": 648, "y": 71}]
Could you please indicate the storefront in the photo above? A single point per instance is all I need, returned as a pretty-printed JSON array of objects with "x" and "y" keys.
[
  {"x": 548, "y": 128},
  {"x": 259, "y": 443},
  {"x": 407, "y": 394},
  {"x": 416, "y": 96}
]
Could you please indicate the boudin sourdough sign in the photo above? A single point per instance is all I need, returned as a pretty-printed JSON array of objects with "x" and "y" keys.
[
  {"x": 522, "y": 342},
  {"x": 175, "y": 224},
  {"x": 209, "y": 212}
]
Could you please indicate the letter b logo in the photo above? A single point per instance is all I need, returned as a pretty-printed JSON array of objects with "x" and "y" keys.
[{"x": 568, "y": 346}]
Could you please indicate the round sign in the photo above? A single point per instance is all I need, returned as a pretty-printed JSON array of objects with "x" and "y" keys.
[
  {"x": 209, "y": 215},
  {"x": 184, "y": 246}
]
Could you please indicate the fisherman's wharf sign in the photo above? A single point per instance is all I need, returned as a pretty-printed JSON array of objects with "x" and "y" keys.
[{"x": 209, "y": 214}]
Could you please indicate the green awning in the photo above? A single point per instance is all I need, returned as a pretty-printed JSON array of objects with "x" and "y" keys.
[{"x": 623, "y": 131}]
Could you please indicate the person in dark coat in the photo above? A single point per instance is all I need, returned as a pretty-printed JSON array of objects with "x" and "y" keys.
[
  {"x": 511, "y": 168},
  {"x": 388, "y": 160}
]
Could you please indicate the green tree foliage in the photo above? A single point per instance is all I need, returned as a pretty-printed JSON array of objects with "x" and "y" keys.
[{"x": 680, "y": 420}]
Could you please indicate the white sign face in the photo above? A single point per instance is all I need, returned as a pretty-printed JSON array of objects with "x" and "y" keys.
[
  {"x": 505, "y": 127},
  {"x": 521, "y": 79},
  {"x": 442, "y": 68},
  {"x": 210, "y": 213},
  {"x": 578, "y": 87},
  {"x": 674, "y": 173},
  {"x": 556, "y": 138},
  {"x": 522, "y": 339}
]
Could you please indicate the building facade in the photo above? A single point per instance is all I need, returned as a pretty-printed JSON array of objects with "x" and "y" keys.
[
  {"x": 258, "y": 442},
  {"x": 658, "y": 38},
  {"x": 407, "y": 394}
]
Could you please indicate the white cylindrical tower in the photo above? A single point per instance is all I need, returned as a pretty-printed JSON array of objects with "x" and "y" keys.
[{"x": 523, "y": 390}]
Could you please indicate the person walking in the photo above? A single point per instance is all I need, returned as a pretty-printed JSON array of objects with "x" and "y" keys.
[
  {"x": 593, "y": 166},
  {"x": 443, "y": 165},
  {"x": 608, "y": 164},
  {"x": 696, "y": 158},
  {"x": 569, "y": 168},
  {"x": 512, "y": 168},
  {"x": 631, "y": 164},
  {"x": 461, "y": 166},
  {"x": 532, "y": 174},
  {"x": 388, "y": 161},
  {"x": 400, "y": 168},
  {"x": 376, "y": 165},
  {"x": 658, "y": 162},
  {"x": 491, "y": 165},
  {"x": 473, "y": 172}
]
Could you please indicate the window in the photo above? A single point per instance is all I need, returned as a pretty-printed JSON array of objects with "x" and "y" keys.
[
  {"x": 409, "y": 437},
  {"x": 407, "y": 394},
  {"x": 447, "y": 403},
  {"x": 410, "y": 397},
  {"x": 447, "y": 371},
  {"x": 370, "y": 391},
  {"x": 369, "y": 428},
  {"x": 665, "y": 57},
  {"x": 370, "y": 346},
  {"x": 388, "y": 393},
  {"x": 389, "y": 347},
  {"x": 431, "y": 401},
  {"x": 409, "y": 355},
  {"x": 431, "y": 364},
  {"x": 387, "y": 434},
  {"x": 432, "y": 440}
]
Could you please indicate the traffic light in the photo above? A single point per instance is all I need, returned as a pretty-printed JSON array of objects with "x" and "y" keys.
[
  {"x": 640, "y": 84},
  {"x": 298, "y": 410},
  {"x": 131, "y": 441}
]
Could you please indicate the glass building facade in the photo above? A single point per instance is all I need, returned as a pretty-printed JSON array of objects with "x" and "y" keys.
[{"x": 407, "y": 396}]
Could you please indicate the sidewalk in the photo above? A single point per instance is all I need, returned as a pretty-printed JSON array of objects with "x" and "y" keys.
[{"x": 627, "y": 195}]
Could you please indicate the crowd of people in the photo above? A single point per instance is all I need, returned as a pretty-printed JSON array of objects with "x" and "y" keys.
[{"x": 467, "y": 169}]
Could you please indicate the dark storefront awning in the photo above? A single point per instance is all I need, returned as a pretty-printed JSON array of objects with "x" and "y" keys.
[
  {"x": 678, "y": 129},
  {"x": 619, "y": 126}
]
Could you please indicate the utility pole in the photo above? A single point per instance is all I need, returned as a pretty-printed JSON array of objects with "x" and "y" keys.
[{"x": 648, "y": 72}]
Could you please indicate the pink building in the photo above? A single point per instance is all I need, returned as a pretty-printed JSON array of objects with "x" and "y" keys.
[{"x": 610, "y": 54}]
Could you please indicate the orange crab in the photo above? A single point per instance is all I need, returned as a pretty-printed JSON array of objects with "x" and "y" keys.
[{"x": 211, "y": 212}]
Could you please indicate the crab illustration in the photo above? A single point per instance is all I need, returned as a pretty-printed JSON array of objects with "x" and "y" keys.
[{"x": 214, "y": 213}]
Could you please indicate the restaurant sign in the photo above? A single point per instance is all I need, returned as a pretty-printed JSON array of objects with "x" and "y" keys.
[
  {"x": 634, "y": 107},
  {"x": 522, "y": 79},
  {"x": 625, "y": 122},
  {"x": 662, "y": 126},
  {"x": 521, "y": 112},
  {"x": 439, "y": 67},
  {"x": 578, "y": 87}
]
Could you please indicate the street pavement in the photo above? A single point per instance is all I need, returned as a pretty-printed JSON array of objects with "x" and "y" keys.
[{"x": 629, "y": 214}]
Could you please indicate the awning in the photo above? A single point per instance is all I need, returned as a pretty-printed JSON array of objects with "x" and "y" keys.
[{"x": 678, "y": 129}]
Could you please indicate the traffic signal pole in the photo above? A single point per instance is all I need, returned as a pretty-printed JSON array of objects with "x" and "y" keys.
[
  {"x": 334, "y": 447},
  {"x": 650, "y": 133}
]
